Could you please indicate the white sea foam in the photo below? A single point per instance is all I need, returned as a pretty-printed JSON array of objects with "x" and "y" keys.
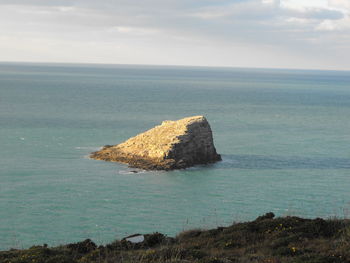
[
  {"x": 131, "y": 171},
  {"x": 90, "y": 148}
]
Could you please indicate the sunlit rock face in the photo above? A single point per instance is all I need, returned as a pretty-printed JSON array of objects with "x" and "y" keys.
[{"x": 171, "y": 145}]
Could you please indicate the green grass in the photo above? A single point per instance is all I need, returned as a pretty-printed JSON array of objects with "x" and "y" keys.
[{"x": 265, "y": 240}]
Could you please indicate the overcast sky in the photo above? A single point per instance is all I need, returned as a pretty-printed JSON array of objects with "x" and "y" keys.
[{"x": 239, "y": 33}]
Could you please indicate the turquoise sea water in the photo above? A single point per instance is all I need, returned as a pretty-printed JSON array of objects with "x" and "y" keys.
[{"x": 283, "y": 135}]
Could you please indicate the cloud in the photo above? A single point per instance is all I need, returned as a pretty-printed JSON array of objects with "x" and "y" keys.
[
  {"x": 329, "y": 25},
  {"x": 302, "y": 5},
  {"x": 174, "y": 32},
  {"x": 136, "y": 30},
  {"x": 333, "y": 14},
  {"x": 37, "y": 2},
  {"x": 341, "y": 4}
]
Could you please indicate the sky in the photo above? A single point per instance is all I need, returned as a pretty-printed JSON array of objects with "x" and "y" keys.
[{"x": 305, "y": 34}]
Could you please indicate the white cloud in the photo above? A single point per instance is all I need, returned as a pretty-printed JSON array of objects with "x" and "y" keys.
[
  {"x": 341, "y": 4},
  {"x": 333, "y": 15},
  {"x": 304, "y": 5},
  {"x": 327, "y": 25},
  {"x": 298, "y": 20},
  {"x": 330, "y": 25},
  {"x": 136, "y": 30},
  {"x": 269, "y": 2}
]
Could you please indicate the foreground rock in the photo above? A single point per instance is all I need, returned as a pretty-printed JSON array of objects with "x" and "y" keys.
[{"x": 171, "y": 145}]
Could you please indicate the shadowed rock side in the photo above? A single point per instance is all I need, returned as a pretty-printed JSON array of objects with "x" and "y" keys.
[{"x": 171, "y": 145}]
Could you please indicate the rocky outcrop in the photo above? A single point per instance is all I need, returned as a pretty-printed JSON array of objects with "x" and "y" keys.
[{"x": 171, "y": 145}]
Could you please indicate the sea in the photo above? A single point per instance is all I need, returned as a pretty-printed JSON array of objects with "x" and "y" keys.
[{"x": 284, "y": 137}]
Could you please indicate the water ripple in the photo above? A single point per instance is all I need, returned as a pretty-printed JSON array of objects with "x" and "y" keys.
[{"x": 283, "y": 162}]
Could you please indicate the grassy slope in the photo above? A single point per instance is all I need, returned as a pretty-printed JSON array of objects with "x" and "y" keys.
[{"x": 267, "y": 239}]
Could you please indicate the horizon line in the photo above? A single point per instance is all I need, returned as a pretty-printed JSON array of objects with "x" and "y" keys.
[{"x": 167, "y": 65}]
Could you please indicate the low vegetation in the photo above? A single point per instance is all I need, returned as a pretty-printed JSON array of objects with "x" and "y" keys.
[{"x": 265, "y": 240}]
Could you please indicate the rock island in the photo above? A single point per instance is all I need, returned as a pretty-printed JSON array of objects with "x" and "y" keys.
[{"x": 171, "y": 145}]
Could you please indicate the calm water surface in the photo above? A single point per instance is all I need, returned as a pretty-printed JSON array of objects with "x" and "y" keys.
[{"x": 283, "y": 134}]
